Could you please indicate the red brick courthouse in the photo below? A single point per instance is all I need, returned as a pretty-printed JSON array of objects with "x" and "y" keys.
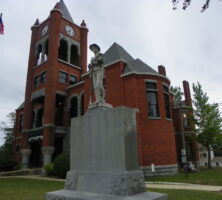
[{"x": 58, "y": 88}]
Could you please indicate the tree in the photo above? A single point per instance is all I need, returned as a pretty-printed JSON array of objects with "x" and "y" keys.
[
  {"x": 207, "y": 120},
  {"x": 8, "y": 130},
  {"x": 186, "y": 3},
  {"x": 177, "y": 94}
]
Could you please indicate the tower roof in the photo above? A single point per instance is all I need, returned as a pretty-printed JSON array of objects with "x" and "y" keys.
[{"x": 62, "y": 7}]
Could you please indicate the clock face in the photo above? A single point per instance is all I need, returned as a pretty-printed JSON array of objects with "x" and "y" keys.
[
  {"x": 44, "y": 30},
  {"x": 69, "y": 30}
]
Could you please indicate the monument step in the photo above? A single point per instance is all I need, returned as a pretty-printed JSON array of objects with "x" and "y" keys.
[{"x": 80, "y": 195}]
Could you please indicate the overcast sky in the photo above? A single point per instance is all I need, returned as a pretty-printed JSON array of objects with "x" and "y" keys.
[{"x": 188, "y": 43}]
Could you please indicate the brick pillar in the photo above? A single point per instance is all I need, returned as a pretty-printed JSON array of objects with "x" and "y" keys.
[
  {"x": 83, "y": 47},
  {"x": 28, "y": 106},
  {"x": 187, "y": 95},
  {"x": 51, "y": 82}
]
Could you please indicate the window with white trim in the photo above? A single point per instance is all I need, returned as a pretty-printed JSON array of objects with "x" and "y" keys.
[
  {"x": 72, "y": 79},
  {"x": 166, "y": 95},
  {"x": 185, "y": 119},
  {"x": 152, "y": 99},
  {"x": 63, "y": 77}
]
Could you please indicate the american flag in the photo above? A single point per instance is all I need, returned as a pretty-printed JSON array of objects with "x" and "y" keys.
[{"x": 1, "y": 25}]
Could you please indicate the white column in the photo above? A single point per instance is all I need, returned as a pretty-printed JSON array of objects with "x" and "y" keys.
[
  {"x": 25, "y": 157},
  {"x": 47, "y": 154}
]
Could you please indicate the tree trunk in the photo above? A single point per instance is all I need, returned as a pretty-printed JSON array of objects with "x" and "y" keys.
[{"x": 209, "y": 157}]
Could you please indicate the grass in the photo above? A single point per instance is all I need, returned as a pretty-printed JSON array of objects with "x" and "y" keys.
[
  {"x": 33, "y": 189},
  {"x": 189, "y": 194},
  {"x": 26, "y": 189},
  {"x": 205, "y": 177}
]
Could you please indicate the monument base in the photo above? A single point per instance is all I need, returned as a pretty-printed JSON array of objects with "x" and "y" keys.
[
  {"x": 79, "y": 195},
  {"x": 121, "y": 183}
]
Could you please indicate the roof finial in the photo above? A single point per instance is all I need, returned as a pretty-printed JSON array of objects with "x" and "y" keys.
[
  {"x": 83, "y": 24},
  {"x": 36, "y": 22},
  {"x": 56, "y": 6}
]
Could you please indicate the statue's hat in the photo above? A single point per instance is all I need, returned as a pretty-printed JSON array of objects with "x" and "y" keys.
[{"x": 94, "y": 47}]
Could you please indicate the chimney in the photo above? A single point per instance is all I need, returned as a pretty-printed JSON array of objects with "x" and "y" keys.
[
  {"x": 162, "y": 70},
  {"x": 187, "y": 95}
]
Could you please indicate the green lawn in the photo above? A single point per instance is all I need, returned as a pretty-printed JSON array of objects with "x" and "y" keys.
[
  {"x": 189, "y": 194},
  {"x": 32, "y": 189},
  {"x": 26, "y": 189},
  {"x": 205, "y": 176}
]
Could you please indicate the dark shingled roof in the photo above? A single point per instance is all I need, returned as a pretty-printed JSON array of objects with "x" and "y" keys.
[
  {"x": 64, "y": 10},
  {"x": 116, "y": 52},
  {"x": 139, "y": 66},
  {"x": 21, "y": 106}
]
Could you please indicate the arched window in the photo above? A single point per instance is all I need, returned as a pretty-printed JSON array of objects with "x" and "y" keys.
[
  {"x": 39, "y": 55},
  {"x": 46, "y": 50},
  {"x": 63, "y": 50},
  {"x": 74, "y": 107},
  {"x": 82, "y": 105},
  {"x": 74, "y": 58}
]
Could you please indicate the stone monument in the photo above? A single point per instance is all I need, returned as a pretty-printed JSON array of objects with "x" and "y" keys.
[{"x": 103, "y": 154}]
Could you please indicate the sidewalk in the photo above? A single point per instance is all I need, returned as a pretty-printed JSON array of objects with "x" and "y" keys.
[{"x": 183, "y": 186}]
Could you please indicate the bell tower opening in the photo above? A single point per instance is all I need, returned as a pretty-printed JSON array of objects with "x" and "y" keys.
[
  {"x": 74, "y": 59},
  {"x": 63, "y": 50}
]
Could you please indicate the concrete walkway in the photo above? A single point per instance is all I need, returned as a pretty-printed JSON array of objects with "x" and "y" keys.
[{"x": 183, "y": 186}]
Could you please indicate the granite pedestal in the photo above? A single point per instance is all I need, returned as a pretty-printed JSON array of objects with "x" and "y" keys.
[{"x": 104, "y": 159}]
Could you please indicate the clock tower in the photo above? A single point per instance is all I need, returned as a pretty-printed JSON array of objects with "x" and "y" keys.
[{"x": 57, "y": 59}]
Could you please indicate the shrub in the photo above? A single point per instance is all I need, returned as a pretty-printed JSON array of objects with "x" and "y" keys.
[
  {"x": 7, "y": 165},
  {"x": 18, "y": 166},
  {"x": 49, "y": 169},
  {"x": 61, "y": 165}
]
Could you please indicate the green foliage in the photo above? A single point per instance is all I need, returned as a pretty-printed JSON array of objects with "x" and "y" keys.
[
  {"x": 62, "y": 165},
  {"x": 207, "y": 119},
  {"x": 177, "y": 94},
  {"x": 49, "y": 169},
  {"x": 186, "y": 4},
  {"x": 8, "y": 129},
  {"x": 18, "y": 166},
  {"x": 7, "y": 165}
]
